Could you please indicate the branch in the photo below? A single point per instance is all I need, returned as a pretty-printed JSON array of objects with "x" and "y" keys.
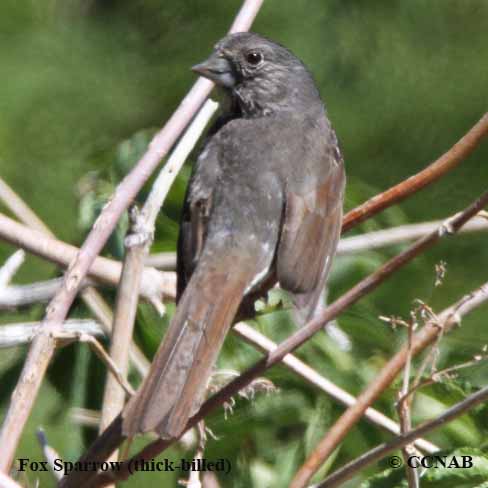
[
  {"x": 19, "y": 208},
  {"x": 449, "y": 160},
  {"x": 99, "y": 351},
  {"x": 15, "y": 296},
  {"x": 161, "y": 260},
  {"x": 43, "y": 347},
  {"x": 444, "y": 323},
  {"x": 347, "y": 471},
  {"x": 112, "y": 437},
  {"x": 124, "y": 317},
  {"x": 15, "y": 334},
  {"x": 445, "y": 373},
  {"x": 155, "y": 283},
  {"x": 404, "y": 411},
  {"x": 398, "y": 235}
]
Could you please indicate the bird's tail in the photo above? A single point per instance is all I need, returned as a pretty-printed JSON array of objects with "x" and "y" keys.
[{"x": 175, "y": 386}]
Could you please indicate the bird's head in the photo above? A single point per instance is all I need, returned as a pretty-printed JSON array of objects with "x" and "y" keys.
[{"x": 261, "y": 76}]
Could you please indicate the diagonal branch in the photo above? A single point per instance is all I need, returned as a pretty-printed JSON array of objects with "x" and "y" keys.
[
  {"x": 112, "y": 437},
  {"x": 449, "y": 160},
  {"x": 43, "y": 346},
  {"x": 155, "y": 283}
]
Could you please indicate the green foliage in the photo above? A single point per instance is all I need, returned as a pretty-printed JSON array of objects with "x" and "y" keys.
[{"x": 85, "y": 83}]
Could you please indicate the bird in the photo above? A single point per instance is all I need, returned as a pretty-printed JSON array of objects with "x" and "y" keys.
[{"x": 263, "y": 206}]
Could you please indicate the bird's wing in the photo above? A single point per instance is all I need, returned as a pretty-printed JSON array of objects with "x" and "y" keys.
[
  {"x": 310, "y": 233},
  {"x": 196, "y": 212}
]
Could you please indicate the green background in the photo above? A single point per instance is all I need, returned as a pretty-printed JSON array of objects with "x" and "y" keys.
[{"x": 402, "y": 81}]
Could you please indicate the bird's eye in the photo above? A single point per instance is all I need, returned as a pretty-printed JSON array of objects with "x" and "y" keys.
[{"x": 254, "y": 58}]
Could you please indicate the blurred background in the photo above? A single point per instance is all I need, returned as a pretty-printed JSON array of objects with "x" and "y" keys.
[{"x": 84, "y": 85}]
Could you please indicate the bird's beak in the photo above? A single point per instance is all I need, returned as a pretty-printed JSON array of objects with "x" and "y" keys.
[{"x": 217, "y": 69}]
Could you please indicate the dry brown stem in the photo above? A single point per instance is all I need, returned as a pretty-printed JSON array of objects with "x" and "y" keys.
[{"x": 449, "y": 160}]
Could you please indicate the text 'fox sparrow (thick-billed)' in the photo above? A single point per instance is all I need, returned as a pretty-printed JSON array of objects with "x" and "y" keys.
[{"x": 264, "y": 205}]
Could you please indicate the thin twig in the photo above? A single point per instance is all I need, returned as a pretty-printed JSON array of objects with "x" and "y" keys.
[
  {"x": 404, "y": 407},
  {"x": 429, "y": 359},
  {"x": 394, "y": 235},
  {"x": 98, "y": 349},
  {"x": 347, "y": 471},
  {"x": 20, "y": 209},
  {"x": 43, "y": 346},
  {"x": 112, "y": 437},
  {"x": 438, "y": 375},
  {"x": 449, "y": 160},
  {"x": 22, "y": 333},
  {"x": 175, "y": 162},
  {"x": 448, "y": 319}
]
